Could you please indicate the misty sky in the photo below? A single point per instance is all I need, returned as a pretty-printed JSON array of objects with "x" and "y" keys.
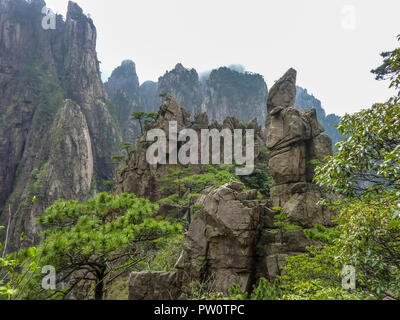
[{"x": 333, "y": 44}]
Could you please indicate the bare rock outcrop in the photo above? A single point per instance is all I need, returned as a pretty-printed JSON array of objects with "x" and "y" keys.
[
  {"x": 136, "y": 175},
  {"x": 294, "y": 139},
  {"x": 220, "y": 245},
  {"x": 149, "y": 285}
]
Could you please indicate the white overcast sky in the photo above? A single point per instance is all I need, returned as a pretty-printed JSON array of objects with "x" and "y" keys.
[{"x": 333, "y": 44}]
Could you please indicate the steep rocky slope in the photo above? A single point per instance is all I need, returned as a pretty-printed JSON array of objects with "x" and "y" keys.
[
  {"x": 124, "y": 78},
  {"x": 148, "y": 96},
  {"x": 56, "y": 132},
  {"x": 123, "y": 90},
  {"x": 127, "y": 96},
  {"x": 184, "y": 85}
]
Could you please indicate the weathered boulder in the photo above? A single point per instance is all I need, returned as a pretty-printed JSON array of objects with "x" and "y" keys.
[
  {"x": 148, "y": 285},
  {"x": 289, "y": 165},
  {"x": 300, "y": 202},
  {"x": 221, "y": 241},
  {"x": 220, "y": 247}
]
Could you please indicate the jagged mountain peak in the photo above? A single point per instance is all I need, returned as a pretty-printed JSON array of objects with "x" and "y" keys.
[
  {"x": 74, "y": 8},
  {"x": 123, "y": 78},
  {"x": 184, "y": 85},
  {"x": 180, "y": 68}
]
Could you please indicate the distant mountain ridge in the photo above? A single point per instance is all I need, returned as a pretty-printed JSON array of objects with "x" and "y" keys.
[{"x": 222, "y": 92}]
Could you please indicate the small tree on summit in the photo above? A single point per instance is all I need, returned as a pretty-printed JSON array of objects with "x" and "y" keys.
[{"x": 144, "y": 118}]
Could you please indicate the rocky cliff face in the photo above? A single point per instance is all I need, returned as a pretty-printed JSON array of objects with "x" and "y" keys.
[
  {"x": 127, "y": 96},
  {"x": 184, "y": 85},
  {"x": 56, "y": 132},
  {"x": 148, "y": 96},
  {"x": 225, "y": 93},
  {"x": 123, "y": 89},
  {"x": 233, "y": 93},
  {"x": 125, "y": 79}
]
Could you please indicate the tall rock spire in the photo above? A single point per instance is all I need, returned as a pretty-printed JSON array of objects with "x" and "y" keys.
[
  {"x": 57, "y": 135},
  {"x": 283, "y": 93}
]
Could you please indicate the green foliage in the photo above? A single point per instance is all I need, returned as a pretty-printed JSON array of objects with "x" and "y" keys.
[
  {"x": 166, "y": 254},
  {"x": 125, "y": 146},
  {"x": 370, "y": 240},
  {"x": 119, "y": 289},
  {"x": 366, "y": 169},
  {"x": 322, "y": 234},
  {"x": 96, "y": 241},
  {"x": 265, "y": 291},
  {"x": 150, "y": 119},
  {"x": 281, "y": 220},
  {"x": 117, "y": 158},
  {"x": 185, "y": 187},
  {"x": 368, "y": 161},
  {"x": 145, "y": 119},
  {"x": 260, "y": 179},
  {"x": 236, "y": 293},
  {"x": 315, "y": 275},
  {"x": 390, "y": 68},
  {"x": 16, "y": 272},
  {"x": 205, "y": 291}
]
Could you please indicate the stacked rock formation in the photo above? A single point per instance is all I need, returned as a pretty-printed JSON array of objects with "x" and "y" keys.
[
  {"x": 294, "y": 139},
  {"x": 234, "y": 237}
]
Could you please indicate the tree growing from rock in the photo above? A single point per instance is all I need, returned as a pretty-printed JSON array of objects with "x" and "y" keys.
[{"x": 144, "y": 118}]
